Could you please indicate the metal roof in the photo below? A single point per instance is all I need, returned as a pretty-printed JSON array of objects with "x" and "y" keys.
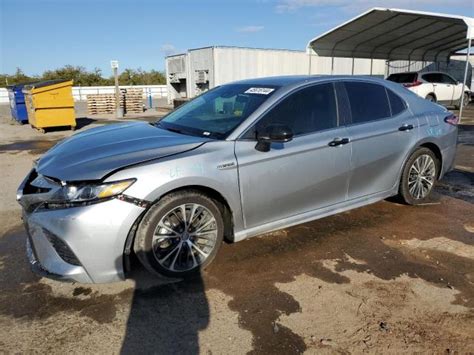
[{"x": 395, "y": 34}]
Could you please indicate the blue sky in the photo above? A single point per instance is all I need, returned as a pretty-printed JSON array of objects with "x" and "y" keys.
[{"x": 37, "y": 35}]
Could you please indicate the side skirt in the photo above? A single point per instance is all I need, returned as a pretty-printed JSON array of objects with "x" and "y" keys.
[{"x": 313, "y": 215}]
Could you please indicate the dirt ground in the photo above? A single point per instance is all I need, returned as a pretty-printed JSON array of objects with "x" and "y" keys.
[{"x": 383, "y": 278}]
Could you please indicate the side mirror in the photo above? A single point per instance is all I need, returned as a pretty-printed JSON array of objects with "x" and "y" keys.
[{"x": 277, "y": 133}]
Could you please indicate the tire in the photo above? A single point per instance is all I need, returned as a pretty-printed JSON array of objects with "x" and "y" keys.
[
  {"x": 430, "y": 97},
  {"x": 163, "y": 255},
  {"x": 407, "y": 191},
  {"x": 465, "y": 102}
]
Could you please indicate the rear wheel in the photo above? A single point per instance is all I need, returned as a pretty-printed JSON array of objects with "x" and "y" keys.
[
  {"x": 465, "y": 101},
  {"x": 430, "y": 97},
  {"x": 180, "y": 235},
  {"x": 419, "y": 176}
]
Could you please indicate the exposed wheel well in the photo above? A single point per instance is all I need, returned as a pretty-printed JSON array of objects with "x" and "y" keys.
[
  {"x": 432, "y": 94},
  {"x": 224, "y": 206},
  {"x": 437, "y": 152}
]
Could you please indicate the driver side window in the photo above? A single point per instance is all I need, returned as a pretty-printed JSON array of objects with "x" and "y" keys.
[{"x": 308, "y": 110}]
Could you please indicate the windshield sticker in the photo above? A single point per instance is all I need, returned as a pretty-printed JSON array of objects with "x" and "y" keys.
[{"x": 259, "y": 91}]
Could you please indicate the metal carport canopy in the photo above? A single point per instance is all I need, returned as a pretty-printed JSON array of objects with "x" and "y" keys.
[{"x": 394, "y": 34}]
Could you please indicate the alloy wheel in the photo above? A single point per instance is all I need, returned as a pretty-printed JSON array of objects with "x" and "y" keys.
[
  {"x": 421, "y": 176},
  {"x": 185, "y": 237}
]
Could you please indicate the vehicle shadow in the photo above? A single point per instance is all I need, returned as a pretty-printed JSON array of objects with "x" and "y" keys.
[{"x": 166, "y": 315}]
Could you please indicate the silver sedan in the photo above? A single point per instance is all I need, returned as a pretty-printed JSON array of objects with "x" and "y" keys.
[{"x": 240, "y": 160}]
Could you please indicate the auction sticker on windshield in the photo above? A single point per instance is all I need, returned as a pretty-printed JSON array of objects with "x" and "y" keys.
[{"x": 260, "y": 91}]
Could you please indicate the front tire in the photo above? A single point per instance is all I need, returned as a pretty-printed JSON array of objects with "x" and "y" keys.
[
  {"x": 180, "y": 235},
  {"x": 419, "y": 176}
]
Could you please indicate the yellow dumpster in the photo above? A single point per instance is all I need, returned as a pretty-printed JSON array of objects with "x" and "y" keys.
[{"x": 50, "y": 104}]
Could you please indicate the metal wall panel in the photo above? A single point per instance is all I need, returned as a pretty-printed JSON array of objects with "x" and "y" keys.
[
  {"x": 243, "y": 63},
  {"x": 226, "y": 64},
  {"x": 344, "y": 66}
]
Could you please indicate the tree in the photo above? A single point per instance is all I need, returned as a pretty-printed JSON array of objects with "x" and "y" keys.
[
  {"x": 81, "y": 76},
  {"x": 141, "y": 77},
  {"x": 17, "y": 78}
]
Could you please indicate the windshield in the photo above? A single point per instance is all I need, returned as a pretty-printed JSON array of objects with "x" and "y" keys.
[{"x": 218, "y": 112}]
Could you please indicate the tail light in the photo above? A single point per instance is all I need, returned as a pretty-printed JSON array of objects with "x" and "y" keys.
[
  {"x": 452, "y": 119},
  {"x": 415, "y": 83}
]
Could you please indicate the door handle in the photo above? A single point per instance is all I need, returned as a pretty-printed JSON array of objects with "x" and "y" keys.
[
  {"x": 339, "y": 141},
  {"x": 405, "y": 127}
]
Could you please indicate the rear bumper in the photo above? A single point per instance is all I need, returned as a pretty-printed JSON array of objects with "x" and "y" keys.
[{"x": 449, "y": 155}]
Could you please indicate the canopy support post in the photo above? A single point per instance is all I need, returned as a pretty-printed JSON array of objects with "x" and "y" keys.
[
  {"x": 332, "y": 65},
  {"x": 468, "y": 54},
  {"x": 309, "y": 61},
  {"x": 371, "y": 65},
  {"x": 352, "y": 72}
]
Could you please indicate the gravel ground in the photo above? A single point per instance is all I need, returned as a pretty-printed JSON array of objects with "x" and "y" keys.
[{"x": 382, "y": 278}]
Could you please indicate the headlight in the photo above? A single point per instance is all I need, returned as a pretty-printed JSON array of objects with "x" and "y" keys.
[{"x": 89, "y": 192}]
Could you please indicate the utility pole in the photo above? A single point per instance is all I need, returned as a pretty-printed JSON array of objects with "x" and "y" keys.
[{"x": 114, "y": 64}]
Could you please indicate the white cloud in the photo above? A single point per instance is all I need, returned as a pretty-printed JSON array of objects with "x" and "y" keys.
[
  {"x": 360, "y": 5},
  {"x": 250, "y": 29},
  {"x": 168, "y": 49}
]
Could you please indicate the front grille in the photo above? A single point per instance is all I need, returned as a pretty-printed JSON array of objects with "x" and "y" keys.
[
  {"x": 30, "y": 189},
  {"x": 62, "y": 248},
  {"x": 36, "y": 184}
]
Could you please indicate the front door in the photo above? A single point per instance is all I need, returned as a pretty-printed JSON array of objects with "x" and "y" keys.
[{"x": 299, "y": 176}]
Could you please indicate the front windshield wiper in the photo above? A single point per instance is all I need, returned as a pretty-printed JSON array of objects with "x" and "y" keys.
[{"x": 176, "y": 130}]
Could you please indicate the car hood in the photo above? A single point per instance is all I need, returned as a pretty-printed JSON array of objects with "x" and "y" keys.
[{"x": 93, "y": 154}]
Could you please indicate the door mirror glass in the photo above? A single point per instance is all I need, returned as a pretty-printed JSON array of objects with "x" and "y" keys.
[{"x": 275, "y": 133}]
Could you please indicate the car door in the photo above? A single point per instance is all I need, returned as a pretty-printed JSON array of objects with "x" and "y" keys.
[
  {"x": 382, "y": 132},
  {"x": 456, "y": 87},
  {"x": 443, "y": 88},
  {"x": 299, "y": 176}
]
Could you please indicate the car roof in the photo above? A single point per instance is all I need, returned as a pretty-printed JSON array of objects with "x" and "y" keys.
[
  {"x": 294, "y": 80},
  {"x": 420, "y": 72}
]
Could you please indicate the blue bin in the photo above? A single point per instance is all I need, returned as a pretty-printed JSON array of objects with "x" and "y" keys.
[{"x": 17, "y": 103}]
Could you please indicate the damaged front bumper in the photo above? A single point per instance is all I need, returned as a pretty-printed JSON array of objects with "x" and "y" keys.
[{"x": 83, "y": 244}]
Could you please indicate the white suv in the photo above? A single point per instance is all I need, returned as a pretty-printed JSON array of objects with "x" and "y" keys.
[{"x": 433, "y": 86}]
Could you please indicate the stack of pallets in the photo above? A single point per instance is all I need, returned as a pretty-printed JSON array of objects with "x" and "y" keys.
[
  {"x": 133, "y": 100},
  {"x": 98, "y": 104}
]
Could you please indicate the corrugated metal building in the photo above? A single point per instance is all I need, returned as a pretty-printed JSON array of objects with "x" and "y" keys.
[{"x": 201, "y": 69}]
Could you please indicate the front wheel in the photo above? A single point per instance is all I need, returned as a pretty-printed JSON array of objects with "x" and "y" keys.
[
  {"x": 180, "y": 235},
  {"x": 419, "y": 176}
]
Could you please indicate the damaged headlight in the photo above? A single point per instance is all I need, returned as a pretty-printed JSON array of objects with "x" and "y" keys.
[{"x": 74, "y": 194}]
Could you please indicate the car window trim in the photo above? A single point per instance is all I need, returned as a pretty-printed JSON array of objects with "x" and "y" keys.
[
  {"x": 405, "y": 105},
  {"x": 295, "y": 90}
]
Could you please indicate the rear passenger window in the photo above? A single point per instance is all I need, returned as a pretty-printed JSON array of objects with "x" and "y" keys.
[
  {"x": 396, "y": 103},
  {"x": 368, "y": 101},
  {"x": 308, "y": 110}
]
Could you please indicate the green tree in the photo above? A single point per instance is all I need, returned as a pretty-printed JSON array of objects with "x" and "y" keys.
[
  {"x": 81, "y": 76},
  {"x": 18, "y": 78}
]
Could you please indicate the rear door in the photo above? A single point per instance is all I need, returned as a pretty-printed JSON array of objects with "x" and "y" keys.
[
  {"x": 443, "y": 88},
  {"x": 456, "y": 87},
  {"x": 299, "y": 176},
  {"x": 382, "y": 132}
]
